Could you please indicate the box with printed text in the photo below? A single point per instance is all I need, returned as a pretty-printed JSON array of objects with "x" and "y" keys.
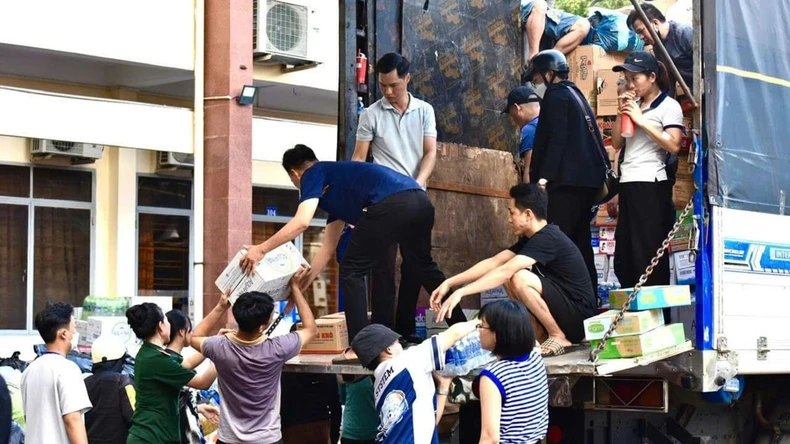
[
  {"x": 332, "y": 337},
  {"x": 271, "y": 276}
]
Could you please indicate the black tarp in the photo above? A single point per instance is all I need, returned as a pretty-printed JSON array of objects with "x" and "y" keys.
[{"x": 749, "y": 129}]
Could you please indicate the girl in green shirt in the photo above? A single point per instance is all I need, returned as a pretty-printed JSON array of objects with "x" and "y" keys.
[{"x": 158, "y": 378}]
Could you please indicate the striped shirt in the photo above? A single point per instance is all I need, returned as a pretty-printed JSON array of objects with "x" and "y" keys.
[{"x": 523, "y": 384}]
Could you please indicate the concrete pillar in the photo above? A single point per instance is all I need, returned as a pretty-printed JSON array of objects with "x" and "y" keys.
[{"x": 227, "y": 138}]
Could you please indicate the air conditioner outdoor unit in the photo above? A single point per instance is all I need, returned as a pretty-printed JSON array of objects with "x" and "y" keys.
[
  {"x": 168, "y": 160},
  {"x": 43, "y": 147},
  {"x": 286, "y": 31}
]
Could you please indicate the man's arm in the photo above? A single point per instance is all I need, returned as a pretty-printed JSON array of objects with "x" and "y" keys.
[
  {"x": 527, "y": 161},
  {"x": 296, "y": 226},
  {"x": 193, "y": 361},
  {"x": 204, "y": 380},
  {"x": 209, "y": 323},
  {"x": 492, "y": 279},
  {"x": 334, "y": 231},
  {"x": 455, "y": 333},
  {"x": 476, "y": 272},
  {"x": 361, "y": 150},
  {"x": 428, "y": 160},
  {"x": 75, "y": 428},
  {"x": 310, "y": 329}
]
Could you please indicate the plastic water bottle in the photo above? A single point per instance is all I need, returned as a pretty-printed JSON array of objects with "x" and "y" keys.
[
  {"x": 360, "y": 105},
  {"x": 466, "y": 355}
]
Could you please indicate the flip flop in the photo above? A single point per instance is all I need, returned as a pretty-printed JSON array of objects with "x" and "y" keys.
[
  {"x": 343, "y": 359},
  {"x": 551, "y": 348}
]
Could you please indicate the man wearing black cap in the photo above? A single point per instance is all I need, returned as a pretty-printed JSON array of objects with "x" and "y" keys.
[
  {"x": 404, "y": 391},
  {"x": 523, "y": 107}
]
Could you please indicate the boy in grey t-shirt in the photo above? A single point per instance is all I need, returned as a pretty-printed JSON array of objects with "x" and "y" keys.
[{"x": 249, "y": 364}]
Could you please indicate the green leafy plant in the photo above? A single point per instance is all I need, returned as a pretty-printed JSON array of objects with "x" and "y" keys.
[{"x": 581, "y": 7}]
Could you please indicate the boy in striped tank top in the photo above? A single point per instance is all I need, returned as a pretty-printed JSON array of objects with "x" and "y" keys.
[{"x": 514, "y": 392}]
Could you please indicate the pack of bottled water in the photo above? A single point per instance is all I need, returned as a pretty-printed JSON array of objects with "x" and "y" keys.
[{"x": 465, "y": 356}]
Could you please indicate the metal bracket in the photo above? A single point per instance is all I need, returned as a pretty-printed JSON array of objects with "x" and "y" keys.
[
  {"x": 762, "y": 348},
  {"x": 721, "y": 344}
]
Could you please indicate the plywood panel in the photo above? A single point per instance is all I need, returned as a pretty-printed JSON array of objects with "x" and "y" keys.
[
  {"x": 470, "y": 227},
  {"x": 465, "y": 58}
]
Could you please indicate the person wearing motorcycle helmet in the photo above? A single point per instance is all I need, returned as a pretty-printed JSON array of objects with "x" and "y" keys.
[
  {"x": 566, "y": 153},
  {"x": 111, "y": 392}
]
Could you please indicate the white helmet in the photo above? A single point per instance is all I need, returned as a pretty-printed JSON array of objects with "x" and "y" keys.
[{"x": 107, "y": 347}]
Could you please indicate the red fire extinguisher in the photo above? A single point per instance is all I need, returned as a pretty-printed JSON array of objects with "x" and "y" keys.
[{"x": 362, "y": 67}]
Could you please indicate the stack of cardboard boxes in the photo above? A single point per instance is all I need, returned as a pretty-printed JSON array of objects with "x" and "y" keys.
[{"x": 642, "y": 330}]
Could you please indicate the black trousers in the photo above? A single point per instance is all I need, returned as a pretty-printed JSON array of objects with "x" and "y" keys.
[
  {"x": 406, "y": 218},
  {"x": 383, "y": 293},
  {"x": 571, "y": 209},
  {"x": 645, "y": 218}
]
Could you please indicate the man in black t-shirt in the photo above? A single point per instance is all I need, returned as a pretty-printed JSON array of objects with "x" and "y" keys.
[{"x": 544, "y": 270}]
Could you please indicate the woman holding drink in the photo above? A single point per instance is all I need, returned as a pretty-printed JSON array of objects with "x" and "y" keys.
[{"x": 656, "y": 124}]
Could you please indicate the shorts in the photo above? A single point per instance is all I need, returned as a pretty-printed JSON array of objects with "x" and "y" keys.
[
  {"x": 558, "y": 24},
  {"x": 566, "y": 311}
]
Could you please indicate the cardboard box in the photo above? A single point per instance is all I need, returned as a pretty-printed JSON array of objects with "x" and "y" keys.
[
  {"x": 271, "y": 276},
  {"x": 495, "y": 294},
  {"x": 607, "y": 247},
  {"x": 111, "y": 325},
  {"x": 601, "y": 265},
  {"x": 633, "y": 323},
  {"x": 606, "y": 103},
  {"x": 660, "y": 296},
  {"x": 684, "y": 268},
  {"x": 332, "y": 337},
  {"x": 682, "y": 191},
  {"x": 585, "y": 61},
  {"x": 653, "y": 341},
  {"x": 431, "y": 324},
  {"x": 607, "y": 233},
  {"x": 605, "y": 126}
]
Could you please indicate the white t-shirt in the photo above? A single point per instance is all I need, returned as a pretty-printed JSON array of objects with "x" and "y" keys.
[
  {"x": 645, "y": 161},
  {"x": 405, "y": 395},
  {"x": 52, "y": 386}
]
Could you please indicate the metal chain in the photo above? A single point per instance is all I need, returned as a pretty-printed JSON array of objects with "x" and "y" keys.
[{"x": 642, "y": 279}]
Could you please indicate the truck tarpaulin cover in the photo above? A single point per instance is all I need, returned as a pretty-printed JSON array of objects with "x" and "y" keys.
[{"x": 749, "y": 140}]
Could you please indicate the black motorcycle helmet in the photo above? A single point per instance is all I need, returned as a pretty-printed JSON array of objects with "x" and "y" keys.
[{"x": 544, "y": 61}]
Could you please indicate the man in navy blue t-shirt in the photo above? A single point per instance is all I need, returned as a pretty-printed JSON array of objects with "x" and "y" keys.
[{"x": 384, "y": 206}]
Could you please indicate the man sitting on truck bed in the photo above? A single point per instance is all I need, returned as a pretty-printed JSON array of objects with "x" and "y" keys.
[
  {"x": 544, "y": 270},
  {"x": 551, "y": 28}
]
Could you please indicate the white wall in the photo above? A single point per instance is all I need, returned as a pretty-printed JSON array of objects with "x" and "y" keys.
[
  {"x": 153, "y": 32},
  {"x": 272, "y": 137},
  {"x": 45, "y": 115}
]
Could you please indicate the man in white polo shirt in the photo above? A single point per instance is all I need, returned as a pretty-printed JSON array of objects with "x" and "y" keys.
[{"x": 399, "y": 132}]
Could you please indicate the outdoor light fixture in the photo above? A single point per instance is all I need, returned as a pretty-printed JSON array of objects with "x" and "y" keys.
[{"x": 247, "y": 96}]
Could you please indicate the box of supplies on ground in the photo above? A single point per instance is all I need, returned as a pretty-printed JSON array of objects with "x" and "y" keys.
[
  {"x": 633, "y": 323},
  {"x": 655, "y": 340},
  {"x": 271, "y": 276},
  {"x": 661, "y": 296},
  {"x": 332, "y": 337},
  {"x": 111, "y": 325}
]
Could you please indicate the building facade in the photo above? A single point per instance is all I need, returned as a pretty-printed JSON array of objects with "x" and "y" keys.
[{"x": 166, "y": 162}]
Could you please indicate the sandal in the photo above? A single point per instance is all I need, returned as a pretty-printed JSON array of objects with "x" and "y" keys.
[
  {"x": 551, "y": 348},
  {"x": 343, "y": 359}
]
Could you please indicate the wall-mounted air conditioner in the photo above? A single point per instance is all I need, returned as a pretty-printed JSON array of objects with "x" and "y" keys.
[
  {"x": 286, "y": 32},
  {"x": 43, "y": 147},
  {"x": 168, "y": 161}
]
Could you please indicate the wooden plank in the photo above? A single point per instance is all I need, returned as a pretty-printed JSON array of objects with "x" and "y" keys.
[{"x": 468, "y": 189}]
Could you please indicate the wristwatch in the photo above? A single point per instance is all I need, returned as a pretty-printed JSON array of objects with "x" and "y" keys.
[{"x": 442, "y": 392}]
